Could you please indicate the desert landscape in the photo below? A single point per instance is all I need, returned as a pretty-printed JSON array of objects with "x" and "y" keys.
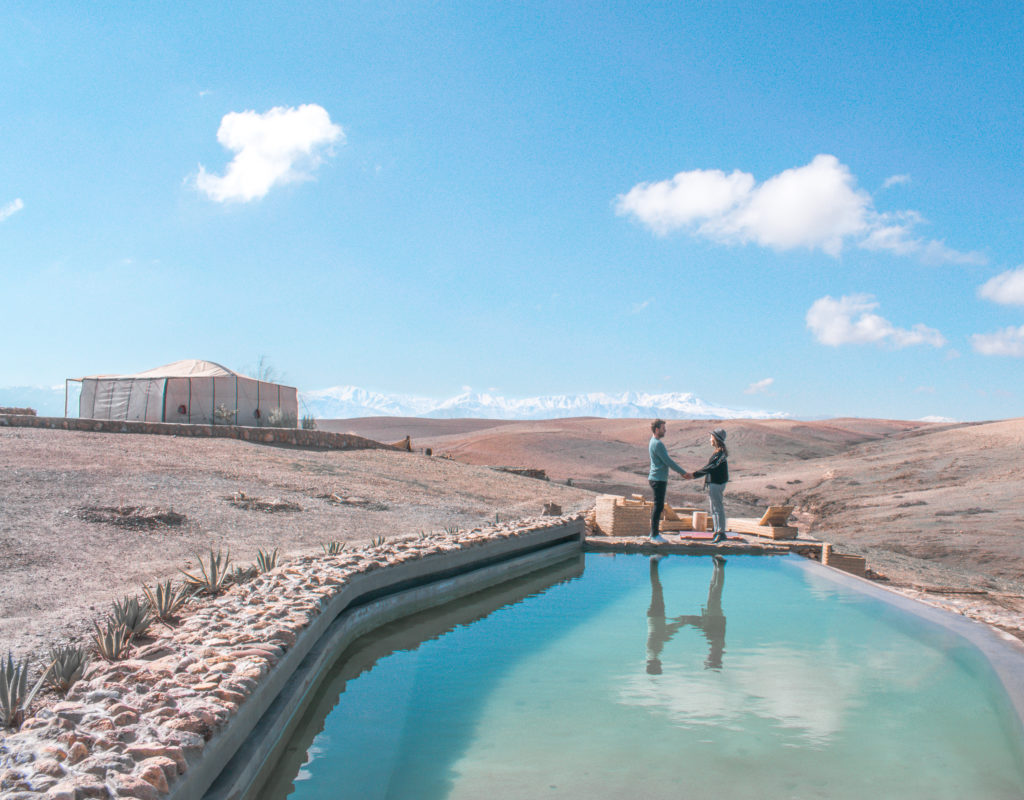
[
  {"x": 86, "y": 518},
  {"x": 935, "y": 504}
]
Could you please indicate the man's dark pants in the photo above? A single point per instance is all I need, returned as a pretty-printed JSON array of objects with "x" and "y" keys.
[{"x": 658, "y": 487}]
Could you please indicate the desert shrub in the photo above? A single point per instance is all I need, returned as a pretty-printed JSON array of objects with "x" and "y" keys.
[
  {"x": 276, "y": 418},
  {"x": 266, "y": 561},
  {"x": 113, "y": 642},
  {"x": 15, "y": 698},
  {"x": 240, "y": 575},
  {"x": 133, "y": 615},
  {"x": 308, "y": 422},
  {"x": 67, "y": 665},
  {"x": 210, "y": 580},
  {"x": 222, "y": 415},
  {"x": 165, "y": 599},
  {"x": 333, "y": 548}
]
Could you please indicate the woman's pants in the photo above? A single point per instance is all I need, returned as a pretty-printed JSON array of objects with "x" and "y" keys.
[
  {"x": 658, "y": 487},
  {"x": 715, "y": 491}
]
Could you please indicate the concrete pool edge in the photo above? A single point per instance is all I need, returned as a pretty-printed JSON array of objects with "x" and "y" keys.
[
  {"x": 259, "y": 751},
  {"x": 1003, "y": 652}
]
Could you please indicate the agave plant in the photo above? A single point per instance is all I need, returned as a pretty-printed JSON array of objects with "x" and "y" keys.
[
  {"x": 166, "y": 600},
  {"x": 211, "y": 580},
  {"x": 378, "y": 541},
  {"x": 14, "y": 702},
  {"x": 451, "y": 529},
  {"x": 333, "y": 548},
  {"x": 240, "y": 575},
  {"x": 266, "y": 561},
  {"x": 133, "y": 615},
  {"x": 67, "y": 665},
  {"x": 112, "y": 642}
]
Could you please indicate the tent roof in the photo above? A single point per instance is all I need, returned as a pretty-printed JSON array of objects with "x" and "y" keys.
[{"x": 189, "y": 368}]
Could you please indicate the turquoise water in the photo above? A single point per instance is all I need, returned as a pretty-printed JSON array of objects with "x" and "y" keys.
[{"x": 627, "y": 676}]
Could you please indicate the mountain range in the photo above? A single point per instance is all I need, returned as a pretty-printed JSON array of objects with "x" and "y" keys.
[
  {"x": 346, "y": 402},
  {"x": 343, "y": 402}
]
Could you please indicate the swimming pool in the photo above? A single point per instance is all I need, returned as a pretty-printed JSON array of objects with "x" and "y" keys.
[{"x": 613, "y": 675}]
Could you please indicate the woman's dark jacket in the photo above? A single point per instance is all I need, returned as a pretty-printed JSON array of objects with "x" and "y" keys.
[{"x": 716, "y": 470}]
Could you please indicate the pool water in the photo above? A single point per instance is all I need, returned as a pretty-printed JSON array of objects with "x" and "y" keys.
[{"x": 644, "y": 677}]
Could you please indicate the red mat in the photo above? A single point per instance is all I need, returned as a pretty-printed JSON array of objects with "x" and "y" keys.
[{"x": 698, "y": 536}]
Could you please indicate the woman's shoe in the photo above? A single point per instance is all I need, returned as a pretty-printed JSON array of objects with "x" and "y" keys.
[{"x": 718, "y": 538}]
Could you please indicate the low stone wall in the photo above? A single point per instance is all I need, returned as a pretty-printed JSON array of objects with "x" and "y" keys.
[
  {"x": 168, "y": 720},
  {"x": 323, "y": 440}
]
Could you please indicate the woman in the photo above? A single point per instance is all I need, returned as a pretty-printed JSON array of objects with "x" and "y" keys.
[{"x": 716, "y": 475}]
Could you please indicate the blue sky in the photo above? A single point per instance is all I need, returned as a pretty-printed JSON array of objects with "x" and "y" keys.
[{"x": 801, "y": 207}]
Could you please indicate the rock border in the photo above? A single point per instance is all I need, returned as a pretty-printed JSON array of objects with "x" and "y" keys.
[{"x": 167, "y": 722}]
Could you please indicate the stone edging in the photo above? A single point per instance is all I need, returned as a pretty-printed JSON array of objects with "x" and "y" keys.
[
  {"x": 324, "y": 440},
  {"x": 167, "y": 721}
]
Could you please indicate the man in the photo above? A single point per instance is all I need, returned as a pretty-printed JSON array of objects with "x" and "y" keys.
[{"x": 658, "y": 477}]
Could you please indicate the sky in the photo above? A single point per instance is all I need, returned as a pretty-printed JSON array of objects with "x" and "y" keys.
[{"x": 809, "y": 208}]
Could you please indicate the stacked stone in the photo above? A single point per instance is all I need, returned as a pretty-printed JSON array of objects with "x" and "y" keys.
[{"x": 131, "y": 728}]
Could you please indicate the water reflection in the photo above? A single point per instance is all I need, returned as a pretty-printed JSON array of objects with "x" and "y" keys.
[
  {"x": 407, "y": 634},
  {"x": 710, "y": 621}
]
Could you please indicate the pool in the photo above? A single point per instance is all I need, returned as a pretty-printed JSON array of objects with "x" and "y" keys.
[{"x": 630, "y": 675}]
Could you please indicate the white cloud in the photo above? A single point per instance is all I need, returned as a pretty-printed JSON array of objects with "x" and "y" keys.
[
  {"x": 817, "y": 206},
  {"x": 1007, "y": 342},
  {"x": 759, "y": 386},
  {"x": 689, "y": 197},
  {"x": 894, "y": 233},
  {"x": 11, "y": 208},
  {"x": 278, "y": 147},
  {"x": 895, "y": 180},
  {"x": 1006, "y": 288},
  {"x": 851, "y": 320},
  {"x": 636, "y": 308}
]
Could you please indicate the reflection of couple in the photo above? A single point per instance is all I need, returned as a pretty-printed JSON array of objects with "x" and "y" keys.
[{"x": 711, "y": 620}]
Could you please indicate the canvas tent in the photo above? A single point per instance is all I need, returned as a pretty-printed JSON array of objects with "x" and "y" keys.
[{"x": 188, "y": 391}]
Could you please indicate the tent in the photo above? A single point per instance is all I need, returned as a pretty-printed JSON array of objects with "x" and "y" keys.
[{"x": 189, "y": 391}]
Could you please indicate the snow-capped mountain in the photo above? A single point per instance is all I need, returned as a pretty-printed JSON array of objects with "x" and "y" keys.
[{"x": 342, "y": 402}]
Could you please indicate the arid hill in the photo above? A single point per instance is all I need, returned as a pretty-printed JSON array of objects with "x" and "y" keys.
[{"x": 936, "y": 501}]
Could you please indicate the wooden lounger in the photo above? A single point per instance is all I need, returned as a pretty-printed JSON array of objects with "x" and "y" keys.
[{"x": 772, "y": 524}]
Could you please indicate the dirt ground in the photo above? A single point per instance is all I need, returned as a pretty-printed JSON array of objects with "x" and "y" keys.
[{"x": 86, "y": 518}]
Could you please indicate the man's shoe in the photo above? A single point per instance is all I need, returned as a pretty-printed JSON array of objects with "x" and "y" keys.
[
  {"x": 657, "y": 539},
  {"x": 718, "y": 537}
]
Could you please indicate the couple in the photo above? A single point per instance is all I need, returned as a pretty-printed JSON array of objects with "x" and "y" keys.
[{"x": 715, "y": 472}]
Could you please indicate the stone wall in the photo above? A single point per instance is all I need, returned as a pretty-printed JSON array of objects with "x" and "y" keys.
[{"x": 322, "y": 440}]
